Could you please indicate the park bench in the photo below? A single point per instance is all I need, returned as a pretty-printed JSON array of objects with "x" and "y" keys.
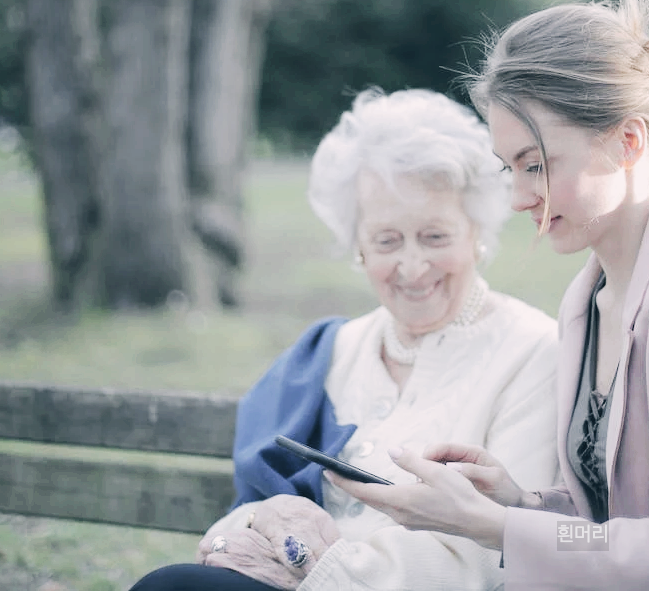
[{"x": 154, "y": 460}]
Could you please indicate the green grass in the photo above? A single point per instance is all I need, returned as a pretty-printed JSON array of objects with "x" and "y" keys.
[
  {"x": 192, "y": 350},
  {"x": 290, "y": 280},
  {"x": 90, "y": 557}
]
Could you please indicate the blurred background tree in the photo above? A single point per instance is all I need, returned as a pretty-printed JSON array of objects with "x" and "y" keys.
[
  {"x": 13, "y": 106},
  {"x": 138, "y": 115},
  {"x": 227, "y": 44},
  {"x": 321, "y": 52}
]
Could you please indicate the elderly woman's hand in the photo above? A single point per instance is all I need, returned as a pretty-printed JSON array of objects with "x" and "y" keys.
[
  {"x": 248, "y": 552},
  {"x": 284, "y": 515},
  {"x": 443, "y": 500},
  {"x": 259, "y": 550}
]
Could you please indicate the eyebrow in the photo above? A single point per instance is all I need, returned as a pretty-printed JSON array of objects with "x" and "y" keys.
[
  {"x": 521, "y": 153},
  {"x": 431, "y": 224}
]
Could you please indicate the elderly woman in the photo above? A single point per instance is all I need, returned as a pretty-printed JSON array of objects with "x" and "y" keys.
[{"x": 410, "y": 184}]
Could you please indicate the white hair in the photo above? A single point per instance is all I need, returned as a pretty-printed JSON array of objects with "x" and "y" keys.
[{"x": 418, "y": 132}]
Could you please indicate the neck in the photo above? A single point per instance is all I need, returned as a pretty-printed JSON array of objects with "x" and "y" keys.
[{"x": 617, "y": 252}]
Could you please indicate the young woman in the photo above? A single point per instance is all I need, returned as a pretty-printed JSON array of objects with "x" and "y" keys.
[{"x": 566, "y": 94}]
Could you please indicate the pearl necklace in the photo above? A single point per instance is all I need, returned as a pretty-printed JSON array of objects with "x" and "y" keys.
[{"x": 473, "y": 305}]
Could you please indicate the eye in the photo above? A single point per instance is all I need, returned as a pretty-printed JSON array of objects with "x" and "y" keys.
[
  {"x": 506, "y": 168},
  {"x": 435, "y": 236},
  {"x": 386, "y": 241},
  {"x": 535, "y": 167},
  {"x": 436, "y": 239}
]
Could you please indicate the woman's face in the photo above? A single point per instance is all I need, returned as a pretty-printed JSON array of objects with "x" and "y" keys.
[
  {"x": 419, "y": 250},
  {"x": 586, "y": 184}
]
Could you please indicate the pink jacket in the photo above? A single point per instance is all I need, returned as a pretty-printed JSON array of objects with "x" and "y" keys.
[{"x": 532, "y": 558}]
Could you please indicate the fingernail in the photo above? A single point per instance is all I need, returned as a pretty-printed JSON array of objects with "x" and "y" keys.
[{"x": 395, "y": 452}]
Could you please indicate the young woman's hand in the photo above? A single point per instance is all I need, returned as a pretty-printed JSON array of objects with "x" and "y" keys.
[
  {"x": 486, "y": 473},
  {"x": 444, "y": 500}
]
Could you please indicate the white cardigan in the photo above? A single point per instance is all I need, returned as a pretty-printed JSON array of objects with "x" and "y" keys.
[{"x": 490, "y": 384}]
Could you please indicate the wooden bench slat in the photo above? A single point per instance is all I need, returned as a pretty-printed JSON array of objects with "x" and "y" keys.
[
  {"x": 193, "y": 424},
  {"x": 136, "y": 495}
]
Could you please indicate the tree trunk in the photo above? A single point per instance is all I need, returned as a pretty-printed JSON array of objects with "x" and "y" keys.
[
  {"x": 140, "y": 257},
  {"x": 115, "y": 127},
  {"x": 226, "y": 54},
  {"x": 63, "y": 109}
]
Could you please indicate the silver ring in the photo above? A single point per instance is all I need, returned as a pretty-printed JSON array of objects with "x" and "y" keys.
[
  {"x": 297, "y": 552},
  {"x": 219, "y": 544}
]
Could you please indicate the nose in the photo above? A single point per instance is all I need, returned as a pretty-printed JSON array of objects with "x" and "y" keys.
[
  {"x": 525, "y": 194},
  {"x": 413, "y": 263}
]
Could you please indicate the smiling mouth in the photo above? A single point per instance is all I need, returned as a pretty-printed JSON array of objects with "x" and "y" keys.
[
  {"x": 539, "y": 221},
  {"x": 420, "y": 293}
]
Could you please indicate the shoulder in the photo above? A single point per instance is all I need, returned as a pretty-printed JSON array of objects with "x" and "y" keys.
[
  {"x": 521, "y": 340},
  {"x": 357, "y": 335},
  {"x": 522, "y": 318},
  {"x": 318, "y": 336},
  {"x": 359, "y": 327},
  {"x": 524, "y": 336},
  {"x": 322, "y": 326},
  {"x": 356, "y": 331},
  {"x": 357, "y": 348}
]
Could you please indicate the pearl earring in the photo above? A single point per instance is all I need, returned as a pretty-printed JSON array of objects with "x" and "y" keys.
[
  {"x": 480, "y": 251},
  {"x": 358, "y": 262}
]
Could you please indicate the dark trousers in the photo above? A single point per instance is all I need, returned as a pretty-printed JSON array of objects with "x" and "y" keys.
[{"x": 197, "y": 577}]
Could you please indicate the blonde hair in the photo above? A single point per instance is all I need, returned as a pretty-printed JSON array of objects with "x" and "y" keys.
[
  {"x": 414, "y": 131},
  {"x": 586, "y": 62}
]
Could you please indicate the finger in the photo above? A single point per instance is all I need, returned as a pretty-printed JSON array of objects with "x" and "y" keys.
[
  {"x": 455, "y": 452},
  {"x": 424, "y": 469},
  {"x": 352, "y": 487},
  {"x": 379, "y": 496},
  {"x": 282, "y": 515},
  {"x": 250, "y": 553},
  {"x": 328, "y": 531},
  {"x": 243, "y": 547},
  {"x": 481, "y": 477},
  {"x": 272, "y": 573},
  {"x": 205, "y": 545},
  {"x": 200, "y": 557}
]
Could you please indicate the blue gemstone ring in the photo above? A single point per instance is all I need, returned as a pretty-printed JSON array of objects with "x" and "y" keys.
[{"x": 297, "y": 552}]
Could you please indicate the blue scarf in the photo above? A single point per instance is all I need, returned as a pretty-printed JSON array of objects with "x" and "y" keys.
[{"x": 290, "y": 400}]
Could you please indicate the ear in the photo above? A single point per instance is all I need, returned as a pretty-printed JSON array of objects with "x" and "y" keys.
[{"x": 632, "y": 133}]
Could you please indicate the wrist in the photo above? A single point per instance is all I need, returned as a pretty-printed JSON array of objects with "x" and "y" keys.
[
  {"x": 531, "y": 500},
  {"x": 487, "y": 527}
]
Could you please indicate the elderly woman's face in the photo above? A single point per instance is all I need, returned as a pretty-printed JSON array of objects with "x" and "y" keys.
[{"x": 419, "y": 250}]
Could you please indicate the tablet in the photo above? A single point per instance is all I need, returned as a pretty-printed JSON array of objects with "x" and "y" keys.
[{"x": 337, "y": 466}]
